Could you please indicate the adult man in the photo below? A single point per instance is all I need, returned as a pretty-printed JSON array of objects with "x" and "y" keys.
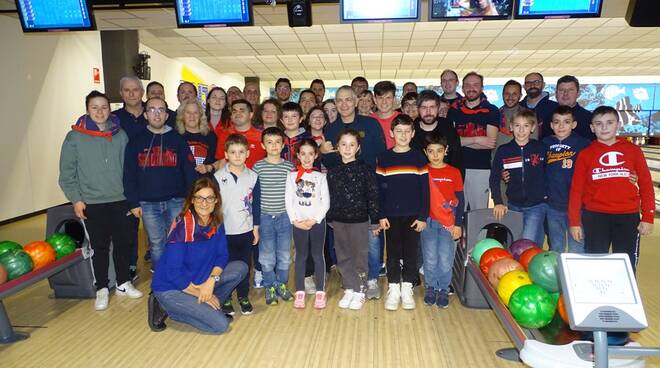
[
  {"x": 158, "y": 172},
  {"x": 359, "y": 84},
  {"x": 449, "y": 82},
  {"x": 306, "y": 100},
  {"x": 511, "y": 93},
  {"x": 233, "y": 94},
  {"x": 409, "y": 87},
  {"x": 156, "y": 89},
  {"x": 476, "y": 121},
  {"x": 371, "y": 145},
  {"x": 385, "y": 113},
  {"x": 283, "y": 90},
  {"x": 318, "y": 87},
  {"x": 241, "y": 116},
  {"x": 567, "y": 93},
  {"x": 186, "y": 90},
  {"x": 539, "y": 101},
  {"x": 130, "y": 116},
  {"x": 429, "y": 121},
  {"x": 252, "y": 93}
]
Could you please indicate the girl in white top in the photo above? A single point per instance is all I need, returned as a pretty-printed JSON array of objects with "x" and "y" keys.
[{"x": 307, "y": 201}]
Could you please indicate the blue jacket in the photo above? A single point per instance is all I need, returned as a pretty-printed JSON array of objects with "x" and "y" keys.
[
  {"x": 372, "y": 139},
  {"x": 559, "y": 163},
  {"x": 544, "y": 110},
  {"x": 157, "y": 167},
  {"x": 526, "y": 186},
  {"x": 131, "y": 124}
]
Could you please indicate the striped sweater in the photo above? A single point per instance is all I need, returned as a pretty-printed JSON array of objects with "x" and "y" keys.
[
  {"x": 272, "y": 178},
  {"x": 403, "y": 184}
]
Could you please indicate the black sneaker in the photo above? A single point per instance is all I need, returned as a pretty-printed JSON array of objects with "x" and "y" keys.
[
  {"x": 147, "y": 256},
  {"x": 450, "y": 290},
  {"x": 416, "y": 282},
  {"x": 157, "y": 315},
  {"x": 246, "y": 306},
  {"x": 228, "y": 308},
  {"x": 132, "y": 273},
  {"x": 230, "y": 318}
]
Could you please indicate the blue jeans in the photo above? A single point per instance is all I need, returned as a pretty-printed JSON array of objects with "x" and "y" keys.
[
  {"x": 184, "y": 308},
  {"x": 438, "y": 249},
  {"x": 157, "y": 218},
  {"x": 375, "y": 256},
  {"x": 533, "y": 218},
  {"x": 275, "y": 252},
  {"x": 558, "y": 233}
]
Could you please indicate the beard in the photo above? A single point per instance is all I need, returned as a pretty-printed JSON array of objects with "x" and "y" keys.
[
  {"x": 534, "y": 92},
  {"x": 429, "y": 119}
]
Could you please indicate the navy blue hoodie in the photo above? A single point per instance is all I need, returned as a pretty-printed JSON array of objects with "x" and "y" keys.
[
  {"x": 157, "y": 167},
  {"x": 372, "y": 140},
  {"x": 560, "y": 160},
  {"x": 526, "y": 186},
  {"x": 544, "y": 110}
]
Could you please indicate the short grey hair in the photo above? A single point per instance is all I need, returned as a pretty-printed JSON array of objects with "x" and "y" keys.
[
  {"x": 346, "y": 88},
  {"x": 130, "y": 78}
]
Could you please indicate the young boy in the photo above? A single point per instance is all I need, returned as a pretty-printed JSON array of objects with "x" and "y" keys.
[
  {"x": 604, "y": 205},
  {"x": 444, "y": 222},
  {"x": 275, "y": 227},
  {"x": 562, "y": 150},
  {"x": 241, "y": 210},
  {"x": 404, "y": 197},
  {"x": 292, "y": 118},
  {"x": 385, "y": 113},
  {"x": 524, "y": 159}
]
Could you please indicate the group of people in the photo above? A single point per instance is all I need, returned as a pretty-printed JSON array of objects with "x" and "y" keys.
[{"x": 226, "y": 187}]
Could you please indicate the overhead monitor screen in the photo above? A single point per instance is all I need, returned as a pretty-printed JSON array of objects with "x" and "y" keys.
[
  {"x": 470, "y": 9},
  {"x": 213, "y": 13},
  {"x": 356, "y": 11},
  {"x": 559, "y": 9},
  {"x": 55, "y": 15}
]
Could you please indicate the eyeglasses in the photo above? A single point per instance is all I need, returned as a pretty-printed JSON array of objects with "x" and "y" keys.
[
  {"x": 207, "y": 200},
  {"x": 157, "y": 110},
  {"x": 533, "y": 82}
]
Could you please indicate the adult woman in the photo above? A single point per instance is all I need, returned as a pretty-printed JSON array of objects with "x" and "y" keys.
[
  {"x": 330, "y": 108},
  {"x": 193, "y": 276},
  {"x": 190, "y": 123},
  {"x": 217, "y": 110},
  {"x": 316, "y": 120},
  {"x": 365, "y": 103},
  {"x": 269, "y": 114},
  {"x": 91, "y": 171}
]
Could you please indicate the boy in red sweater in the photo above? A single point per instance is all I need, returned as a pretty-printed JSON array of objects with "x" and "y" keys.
[{"x": 604, "y": 204}]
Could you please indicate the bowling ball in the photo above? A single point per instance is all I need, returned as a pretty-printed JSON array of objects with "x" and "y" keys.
[
  {"x": 62, "y": 243},
  {"x": 527, "y": 256},
  {"x": 510, "y": 282},
  {"x": 543, "y": 271},
  {"x": 561, "y": 308},
  {"x": 491, "y": 256},
  {"x": 16, "y": 262},
  {"x": 501, "y": 268},
  {"x": 40, "y": 252},
  {"x": 531, "y": 306},
  {"x": 482, "y": 246},
  {"x": 6, "y": 245},
  {"x": 3, "y": 274},
  {"x": 519, "y": 246}
]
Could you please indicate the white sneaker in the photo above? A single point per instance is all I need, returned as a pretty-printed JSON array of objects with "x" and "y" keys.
[
  {"x": 310, "y": 285},
  {"x": 393, "y": 297},
  {"x": 127, "y": 289},
  {"x": 407, "y": 299},
  {"x": 102, "y": 299},
  {"x": 357, "y": 301},
  {"x": 373, "y": 291},
  {"x": 345, "y": 302},
  {"x": 258, "y": 279}
]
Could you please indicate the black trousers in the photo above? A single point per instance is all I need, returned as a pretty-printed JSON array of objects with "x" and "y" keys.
[
  {"x": 309, "y": 245},
  {"x": 240, "y": 249},
  {"x": 401, "y": 242},
  {"x": 618, "y": 230},
  {"x": 110, "y": 222}
]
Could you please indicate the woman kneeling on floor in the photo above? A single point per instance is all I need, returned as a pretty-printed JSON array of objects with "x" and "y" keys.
[{"x": 193, "y": 277}]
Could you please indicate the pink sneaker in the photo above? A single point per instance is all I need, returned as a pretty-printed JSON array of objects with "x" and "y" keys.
[
  {"x": 319, "y": 301},
  {"x": 300, "y": 300}
]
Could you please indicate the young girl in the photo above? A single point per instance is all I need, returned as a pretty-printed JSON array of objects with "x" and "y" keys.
[
  {"x": 307, "y": 201},
  {"x": 354, "y": 200},
  {"x": 331, "y": 109},
  {"x": 316, "y": 120}
]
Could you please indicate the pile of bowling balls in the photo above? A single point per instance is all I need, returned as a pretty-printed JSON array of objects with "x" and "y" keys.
[
  {"x": 524, "y": 276},
  {"x": 16, "y": 261}
]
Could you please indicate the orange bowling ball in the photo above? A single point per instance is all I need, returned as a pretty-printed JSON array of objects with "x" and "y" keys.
[
  {"x": 527, "y": 256},
  {"x": 3, "y": 274},
  {"x": 491, "y": 256},
  {"x": 500, "y": 268},
  {"x": 41, "y": 253},
  {"x": 561, "y": 308}
]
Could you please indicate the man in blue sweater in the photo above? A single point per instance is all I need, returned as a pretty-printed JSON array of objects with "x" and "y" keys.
[
  {"x": 131, "y": 117},
  {"x": 538, "y": 101},
  {"x": 158, "y": 171},
  {"x": 568, "y": 91}
]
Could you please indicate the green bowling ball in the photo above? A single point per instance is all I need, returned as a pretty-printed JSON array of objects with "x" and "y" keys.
[
  {"x": 16, "y": 262},
  {"x": 482, "y": 246},
  {"x": 532, "y": 307},
  {"x": 543, "y": 271},
  {"x": 62, "y": 243},
  {"x": 6, "y": 245}
]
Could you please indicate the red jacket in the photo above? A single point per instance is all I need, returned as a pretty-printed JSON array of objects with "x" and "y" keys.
[{"x": 601, "y": 182}]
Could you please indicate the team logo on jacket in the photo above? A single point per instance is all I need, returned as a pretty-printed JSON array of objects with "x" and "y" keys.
[
  {"x": 535, "y": 159},
  {"x": 608, "y": 160},
  {"x": 611, "y": 159}
]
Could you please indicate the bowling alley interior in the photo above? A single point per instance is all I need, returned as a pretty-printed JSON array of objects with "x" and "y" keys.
[{"x": 512, "y": 301}]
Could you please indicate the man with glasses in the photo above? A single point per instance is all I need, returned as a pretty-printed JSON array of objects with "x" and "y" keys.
[
  {"x": 241, "y": 116},
  {"x": 449, "y": 83},
  {"x": 156, "y": 89},
  {"x": 158, "y": 172},
  {"x": 538, "y": 100}
]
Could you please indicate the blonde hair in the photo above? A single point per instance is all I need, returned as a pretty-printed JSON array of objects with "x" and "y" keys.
[{"x": 201, "y": 122}]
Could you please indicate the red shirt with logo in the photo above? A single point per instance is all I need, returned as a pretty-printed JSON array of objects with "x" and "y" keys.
[
  {"x": 601, "y": 182},
  {"x": 253, "y": 136}
]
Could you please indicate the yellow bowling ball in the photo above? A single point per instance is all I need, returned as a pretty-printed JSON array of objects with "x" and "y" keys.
[{"x": 510, "y": 282}]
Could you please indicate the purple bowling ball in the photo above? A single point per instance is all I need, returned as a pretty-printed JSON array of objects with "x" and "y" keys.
[{"x": 519, "y": 246}]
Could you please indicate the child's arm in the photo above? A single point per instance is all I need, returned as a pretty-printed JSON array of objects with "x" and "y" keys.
[
  {"x": 494, "y": 180},
  {"x": 457, "y": 231},
  {"x": 420, "y": 224},
  {"x": 575, "y": 197},
  {"x": 646, "y": 194},
  {"x": 325, "y": 199},
  {"x": 371, "y": 184},
  {"x": 256, "y": 211},
  {"x": 382, "y": 184}
]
